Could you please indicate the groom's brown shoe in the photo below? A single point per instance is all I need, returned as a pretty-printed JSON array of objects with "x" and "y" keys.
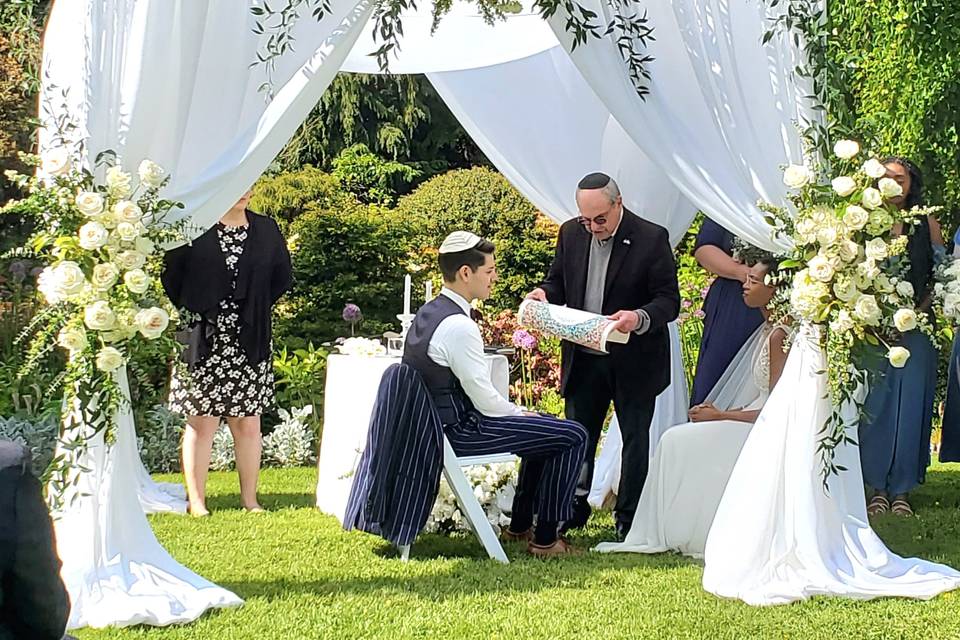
[
  {"x": 559, "y": 547},
  {"x": 512, "y": 536}
]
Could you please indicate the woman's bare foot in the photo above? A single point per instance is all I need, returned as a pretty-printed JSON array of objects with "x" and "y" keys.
[
  {"x": 254, "y": 508},
  {"x": 198, "y": 511}
]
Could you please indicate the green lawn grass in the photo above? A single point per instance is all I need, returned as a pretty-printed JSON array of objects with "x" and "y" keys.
[{"x": 302, "y": 576}]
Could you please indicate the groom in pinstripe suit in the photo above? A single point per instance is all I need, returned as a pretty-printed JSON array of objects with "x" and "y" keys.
[{"x": 444, "y": 345}]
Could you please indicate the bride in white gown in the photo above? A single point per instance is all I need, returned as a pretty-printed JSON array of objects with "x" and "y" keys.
[{"x": 693, "y": 461}]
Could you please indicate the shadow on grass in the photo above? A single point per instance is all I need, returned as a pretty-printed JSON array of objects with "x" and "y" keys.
[{"x": 269, "y": 501}]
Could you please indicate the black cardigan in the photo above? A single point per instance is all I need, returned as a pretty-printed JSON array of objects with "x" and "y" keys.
[{"x": 196, "y": 278}]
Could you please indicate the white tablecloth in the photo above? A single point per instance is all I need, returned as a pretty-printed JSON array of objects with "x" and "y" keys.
[{"x": 351, "y": 391}]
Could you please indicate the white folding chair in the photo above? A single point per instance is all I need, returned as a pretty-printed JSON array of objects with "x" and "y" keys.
[{"x": 469, "y": 505}]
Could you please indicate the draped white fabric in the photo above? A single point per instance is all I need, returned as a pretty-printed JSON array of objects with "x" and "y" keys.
[
  {"x": 719, "y": 119},
  {"x": 549, "y": 130},
  {"x": 115, "y": 570},
  {"x": 171, "y": 80},
  {"x": 777, "y": 536},
  {"x": 462, "y": 40}
]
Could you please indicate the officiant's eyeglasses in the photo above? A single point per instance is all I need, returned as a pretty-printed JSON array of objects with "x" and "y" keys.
[{"x": 597, "y": 220}]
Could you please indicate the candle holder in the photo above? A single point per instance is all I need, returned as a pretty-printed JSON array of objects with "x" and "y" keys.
[{"x": 406, "y": 321}]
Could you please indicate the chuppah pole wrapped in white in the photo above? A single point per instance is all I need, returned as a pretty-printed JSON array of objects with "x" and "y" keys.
[{"x": 105, "y": 306}]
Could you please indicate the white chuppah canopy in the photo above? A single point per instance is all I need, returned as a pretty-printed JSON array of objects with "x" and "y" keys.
[{"x": 172, "y": 81}]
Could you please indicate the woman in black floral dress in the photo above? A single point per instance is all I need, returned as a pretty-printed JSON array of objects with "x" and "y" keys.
[{"x": 226, "y": 282}]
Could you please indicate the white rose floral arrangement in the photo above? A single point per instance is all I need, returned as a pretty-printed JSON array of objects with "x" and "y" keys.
[
  {"x": 364, "y": 347},
  {"x": 847, "y": 273},
  {"x": 494, "y": 486},
  {"x": 101, "y": 287}
]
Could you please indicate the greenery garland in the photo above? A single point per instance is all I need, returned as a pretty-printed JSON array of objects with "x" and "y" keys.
[{"x": 630, "y": 28}]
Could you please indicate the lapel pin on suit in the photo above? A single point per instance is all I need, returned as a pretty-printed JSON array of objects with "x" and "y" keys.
[{"x": 626, "y": 241}]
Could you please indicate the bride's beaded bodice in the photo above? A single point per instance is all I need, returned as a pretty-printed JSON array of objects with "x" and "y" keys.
[{"x": 761, "y": 362}]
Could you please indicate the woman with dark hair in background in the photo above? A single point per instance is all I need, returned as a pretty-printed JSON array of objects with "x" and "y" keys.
[
  {"x": 898, "y": 414},
  {"x": 728, "y": 322},
  {"x": 228, "y": 279}
]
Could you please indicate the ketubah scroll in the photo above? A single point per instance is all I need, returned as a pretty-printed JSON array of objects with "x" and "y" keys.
[{"x": 577, "y": 326}]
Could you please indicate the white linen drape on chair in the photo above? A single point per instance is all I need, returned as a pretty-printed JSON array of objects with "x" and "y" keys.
[{"x": 168, "y": 80}]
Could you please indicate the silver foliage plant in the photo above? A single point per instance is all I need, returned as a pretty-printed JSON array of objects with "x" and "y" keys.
[{"x": 290, "y": 444}]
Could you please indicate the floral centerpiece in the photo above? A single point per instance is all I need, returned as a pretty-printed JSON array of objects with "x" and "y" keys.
[
  {"x": 847, "y": 273},
  {"x": 493, "y": 485},
  {"x": 100, "y": 241}
]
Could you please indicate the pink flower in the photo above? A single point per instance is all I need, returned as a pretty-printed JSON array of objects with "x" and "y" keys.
[
  {"x": 523, "y": 340},
  {"x": 687, "y": 304}
]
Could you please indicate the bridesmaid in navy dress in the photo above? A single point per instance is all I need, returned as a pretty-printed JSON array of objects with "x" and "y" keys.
[{"x": 728, "y": 322}]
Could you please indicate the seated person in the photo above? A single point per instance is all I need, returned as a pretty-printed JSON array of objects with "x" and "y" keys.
[
  {"x": 693, "y": 461},
  {"x": 444, "y": 345},
  {"x": 33, "y": 601}
]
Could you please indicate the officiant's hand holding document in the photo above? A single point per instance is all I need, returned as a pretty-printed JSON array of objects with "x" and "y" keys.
[{"x": 574, "y": 325}]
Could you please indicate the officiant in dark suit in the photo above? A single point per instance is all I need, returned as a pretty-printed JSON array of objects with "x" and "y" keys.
[{"x": 612, "y": 262}]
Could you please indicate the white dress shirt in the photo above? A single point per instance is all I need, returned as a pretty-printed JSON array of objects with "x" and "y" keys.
[{"x": 457, "y": 344}]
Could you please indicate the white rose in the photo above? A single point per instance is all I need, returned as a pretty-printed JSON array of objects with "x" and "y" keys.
[
  {"x": 72, "y": 339},
  {"x": 883, "y": 284},
  {"x": 898, "y": 356},
  {"x": 846, "y": 149},
  {"x": 56, "y": 162},
  {"x": 118, "y": 182},
  {"x": 867, "y": 310},
  {"x": 844, "y": 185},
  {"x": 109, "y": 359},
  {"x": 806, "y": 230},
  {"x": 843, "y": 322},
  {"x": 869, "y": 269},
  {"x": 89, "y": 203},
  {"x": 876, "y": 249},
  {"x": 889, "y": 188},
  {"x": 855, "y": 217},
  {"x": 47, "y": 286},
  {"x": 128, "y": 232},
  {"x": 905, "y": 320},
  {"x": 68, "y": 279},
  {"x": 821, "y": 269},
  {"x": 93, "y": 235},
  {"x": 129, "y": 260},
  {"x": 849, "y": 250},
  {"x": 827, "y": 235},
  {"x": 144, "y": 246},
  {"x": 874, "y": 169},
  {"x": 905, "y": 289},
  {"x": 99, "y": 316},
  {"x": 104, "y": 276},
  {"x": 126, "y": 211},
  {"x": 151, "y": 174},
  {"x": 845, "y": 290},
  {"x": 796, "y": 176},
  {"x": 152, "y": 322},
  {"x": 136, "y": 281},
  {"x": 951, "y": 304},
  {"x": 872, "y": 198}
]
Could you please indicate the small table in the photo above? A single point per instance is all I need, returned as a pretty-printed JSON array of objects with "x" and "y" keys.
[{"x": 351, "y": 391}]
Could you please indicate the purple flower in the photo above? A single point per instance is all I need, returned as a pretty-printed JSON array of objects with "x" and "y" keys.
[
  {"x": 687, "y": 304},
  {"x": 352, "y": 314},
  {"x": 523, "y": 340},
  {"x": 704, "y": 292},
  {"x": 699, "y": 313}
]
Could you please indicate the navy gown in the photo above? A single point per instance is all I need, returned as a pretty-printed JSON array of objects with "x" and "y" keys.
[
  {"x": 898, "y": 414},
  {"x": 727, "y": 323}
]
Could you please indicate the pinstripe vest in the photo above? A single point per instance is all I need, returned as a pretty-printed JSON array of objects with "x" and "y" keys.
[{"x": 448, "y": 396}]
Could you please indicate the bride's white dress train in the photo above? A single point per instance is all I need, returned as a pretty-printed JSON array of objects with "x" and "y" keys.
[{"x": 777, "y": 536}]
